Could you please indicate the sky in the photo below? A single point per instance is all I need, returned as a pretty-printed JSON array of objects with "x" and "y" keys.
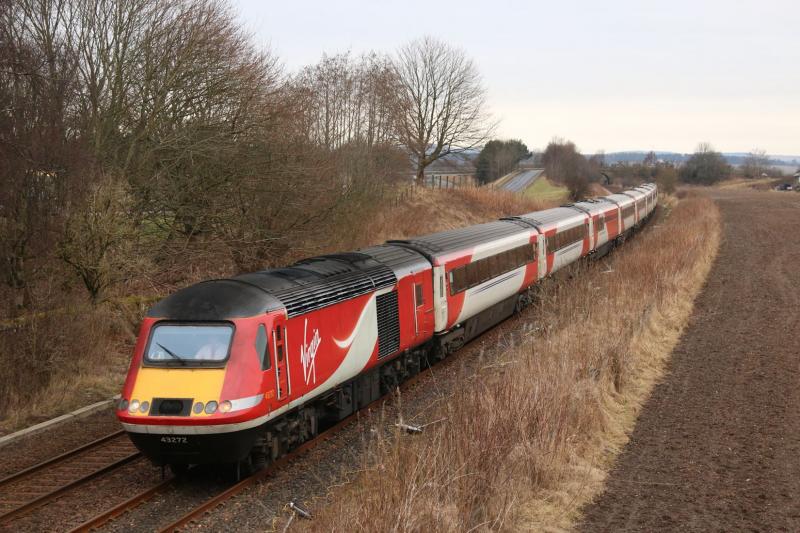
[{"x": 611, "y": 75}]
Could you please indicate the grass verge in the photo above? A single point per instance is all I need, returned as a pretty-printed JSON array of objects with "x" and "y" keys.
[
  {"x": 544, "y": 190},
  {"x": 529, "y": 439}
]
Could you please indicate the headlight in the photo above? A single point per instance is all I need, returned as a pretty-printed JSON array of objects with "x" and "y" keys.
[
  {"x": 225, "y": 406},
  {"x": 134, "y": 406},
  {"x": 211, "y": 407},
  {"x": 123, "y": 404},
  {"x": 144, "y": 407},
  {"x": 198, "y": 408}
]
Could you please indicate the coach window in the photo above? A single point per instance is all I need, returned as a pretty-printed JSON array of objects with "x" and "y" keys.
[
  {"x": 472, "y": 275},
  {"x": 495, "y": 265},
  {"x": 508, "y": 261},
  {"x": 459, "y": 281},
  {"x": 627, "y": 211},
  {"x": 419, "y": 294},
  {"x": 518, "y": 256},
  {"x": 483, "y": 270},
  {"x": 261, "y": 347}
]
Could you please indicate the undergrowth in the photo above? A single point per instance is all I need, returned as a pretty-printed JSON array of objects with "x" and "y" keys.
[{"x": 525, "y": 442}]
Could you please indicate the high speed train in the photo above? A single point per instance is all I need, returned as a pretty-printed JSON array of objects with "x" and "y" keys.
[{"x": 241, "y": 370}]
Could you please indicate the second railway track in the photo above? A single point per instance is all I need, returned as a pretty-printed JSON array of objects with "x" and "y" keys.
[{"x": 26, "y": 490}]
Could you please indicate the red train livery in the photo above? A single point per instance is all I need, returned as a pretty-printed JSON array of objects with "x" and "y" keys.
[{"x": 241, "y": 370}]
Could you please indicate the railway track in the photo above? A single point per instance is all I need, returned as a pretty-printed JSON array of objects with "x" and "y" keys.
[
  {"x": 29, "y": 489},
  {"x": 23, "y": 492},
  {"x": 208, "y": 505},
  {"x": 122, "y": 508}
]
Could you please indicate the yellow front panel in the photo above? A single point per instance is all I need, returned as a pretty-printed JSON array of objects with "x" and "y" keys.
[{"x": 202, "y": 384}]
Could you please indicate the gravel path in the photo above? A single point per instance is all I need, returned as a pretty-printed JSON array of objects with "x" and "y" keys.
[{"x": 717, "y": 446}]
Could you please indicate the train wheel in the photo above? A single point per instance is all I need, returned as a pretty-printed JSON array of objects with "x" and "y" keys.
[
  {"x": 179, "y": 470},
  {"x": 258, "y": 461},
  {"x": 520, "y": 305}
]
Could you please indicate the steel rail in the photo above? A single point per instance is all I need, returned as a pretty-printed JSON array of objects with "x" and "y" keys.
[
  {"x": 58, "y": 458},
  {"x": 41, "y": 500},
  {"x": 121, "y": 508}
]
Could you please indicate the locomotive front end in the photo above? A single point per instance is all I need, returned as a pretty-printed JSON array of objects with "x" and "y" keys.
[{"x": 194, "y": 391}]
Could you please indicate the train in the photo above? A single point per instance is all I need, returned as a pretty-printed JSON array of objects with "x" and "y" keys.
[{"x": 244, "y": 369}]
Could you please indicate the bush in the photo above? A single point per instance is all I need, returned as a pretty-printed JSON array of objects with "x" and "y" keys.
[
  {"x": 705, "y": 167},
  {"x": 563, "y": 163}
]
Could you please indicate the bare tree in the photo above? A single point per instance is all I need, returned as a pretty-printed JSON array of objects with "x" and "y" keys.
[
  {"x": 98, "y": 237},
  {"x": 650, "y": 160},
  {"x": 563, "y": 163},
  {"x": 40, "y": 152},
  {"x": 347, "y": 100},
  {"x": 755, "y": 164},
  {"x": 441, "y": 106}
]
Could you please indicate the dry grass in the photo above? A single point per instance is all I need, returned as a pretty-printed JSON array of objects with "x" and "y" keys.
[
  {"x": 528, "y": 441},
  {"x": 756, "y": 183},
  {"x": 426, "y": 211},
  {"x": 546, "y": 190},
  {"x": 59, "y": 361},
  {"x": 65, "y": 355}
]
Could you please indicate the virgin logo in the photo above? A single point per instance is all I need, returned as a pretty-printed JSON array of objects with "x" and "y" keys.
[{"x": 308, "y": 353}]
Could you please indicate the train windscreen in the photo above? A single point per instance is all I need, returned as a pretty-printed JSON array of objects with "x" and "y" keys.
[{"x": 185, "y": 343}]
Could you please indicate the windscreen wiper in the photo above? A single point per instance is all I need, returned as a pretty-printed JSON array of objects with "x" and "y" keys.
[{"x": 172, "y": 354}]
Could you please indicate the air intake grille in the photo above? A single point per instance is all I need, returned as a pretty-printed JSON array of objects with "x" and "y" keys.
[
  {"x": 304, "y": 299},
  {"x": 388, "y": 324}
]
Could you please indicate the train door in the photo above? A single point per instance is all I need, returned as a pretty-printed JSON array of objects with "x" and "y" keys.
[
  {"x": 600, "y": 232},
  {"x": 281, "y": 360},
  {"x": 439, "y": 298},
  {"x": 423, "y": 306},
  {"x": 541, "y": 255}
]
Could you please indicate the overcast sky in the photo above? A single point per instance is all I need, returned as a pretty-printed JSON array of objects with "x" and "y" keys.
[{"x": 612, "y": 75}]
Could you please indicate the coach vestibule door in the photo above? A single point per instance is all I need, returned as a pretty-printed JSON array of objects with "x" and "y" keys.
[
  {"x": 439, "y": 298},
  {"x": 423, "y": 307}
]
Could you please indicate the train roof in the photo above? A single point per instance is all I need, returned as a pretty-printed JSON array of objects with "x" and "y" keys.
[
  {"x": 400, "y": 259},
  {"x": 550, "y": 217},
  {"x": 620, "y": 199},
  {"x": 635, "y": 193},
  {"x": 217, "y": 299},
  {"x": 595, "y": 205},
  {"x": 307, "y": 285},
  {"x": 461, "y": 238}
]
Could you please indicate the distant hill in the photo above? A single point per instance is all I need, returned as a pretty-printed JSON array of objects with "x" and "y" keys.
[{"x": 733, "y": 158}]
